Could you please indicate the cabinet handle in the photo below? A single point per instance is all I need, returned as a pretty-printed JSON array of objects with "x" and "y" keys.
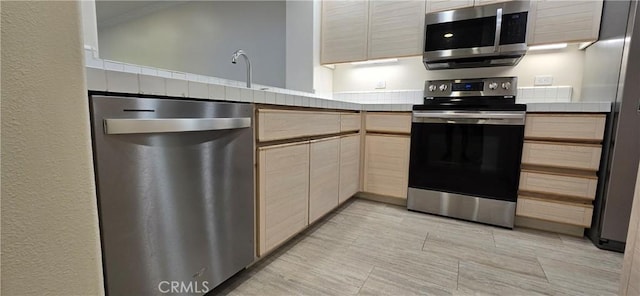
[
  {"x": 496, "y": 43},
  {"x": 172, "y": 125}
]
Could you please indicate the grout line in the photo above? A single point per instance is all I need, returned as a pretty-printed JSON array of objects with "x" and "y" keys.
[
  {"x": 424, "y": 242},
  {"x": 494, "y": 239},
  {"x": 365, "y": 280},
  {"x": 458, "y": 278},
  {"x": 543, "y": 271}
]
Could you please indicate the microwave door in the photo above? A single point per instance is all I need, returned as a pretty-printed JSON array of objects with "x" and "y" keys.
[
  {"x": 476, "y": 32},
  {"x": 462, "y": 38}
]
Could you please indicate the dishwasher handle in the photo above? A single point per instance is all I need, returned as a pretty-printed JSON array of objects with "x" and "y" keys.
[{"x": 113, "y": 126}]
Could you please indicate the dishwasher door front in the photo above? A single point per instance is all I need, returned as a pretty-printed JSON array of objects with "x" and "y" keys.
[{"x": 175, "y": 193}]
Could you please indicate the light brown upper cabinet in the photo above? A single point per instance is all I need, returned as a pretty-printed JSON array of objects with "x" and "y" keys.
[
  {"x": 442, "y": 5},
  {"x": 324, "y": 177},
  {"x": 558, "y": 21},
  {"x": 395, "y": 28},
  {"x": 363, "y": 30},
  {"x": 344, "y": 26}
]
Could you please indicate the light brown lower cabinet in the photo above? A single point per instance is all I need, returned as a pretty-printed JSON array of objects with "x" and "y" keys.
[
  {"x": 555, "y": 211},
  {"x": 283, "y": 196},
  {"x": 574, "y": 186},
  {"x": 386, "y": 168},
  {"x": 324, "y": 177},
  {"x": 349, "y": 166}
]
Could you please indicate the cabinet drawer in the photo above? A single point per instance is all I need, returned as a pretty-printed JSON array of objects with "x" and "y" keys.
[
  {"x": 287, "y": 124},
  {"x": 575, "y": 214},
  {"x": 350, "y": 122},
  {"x": 556, "y": 184},
  {"x": 562, "y": 155},
  {"x": 388, "y": 122},
  {"x": 569, "y": 127}
]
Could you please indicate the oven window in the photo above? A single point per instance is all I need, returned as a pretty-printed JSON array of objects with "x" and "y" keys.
[
  {"x": 477, "y": 32},
  {"x": 470, "y": 159}
]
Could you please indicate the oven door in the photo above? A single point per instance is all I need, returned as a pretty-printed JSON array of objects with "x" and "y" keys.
[{"x": 475, "y": 153}]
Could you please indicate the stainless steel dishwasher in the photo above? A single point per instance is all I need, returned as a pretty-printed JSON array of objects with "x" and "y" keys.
[{"x": 175, "y": 192}]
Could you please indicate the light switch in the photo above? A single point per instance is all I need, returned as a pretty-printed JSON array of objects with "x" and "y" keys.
[{"x": 381, "y": 84}]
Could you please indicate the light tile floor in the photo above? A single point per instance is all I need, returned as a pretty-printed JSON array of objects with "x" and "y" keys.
[{"x": 370, "y": 248}]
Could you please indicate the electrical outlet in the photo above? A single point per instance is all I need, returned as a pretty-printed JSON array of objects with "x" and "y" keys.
[
  {"x": 543, "y": 80},
  {"x": 381, "y": 84}
]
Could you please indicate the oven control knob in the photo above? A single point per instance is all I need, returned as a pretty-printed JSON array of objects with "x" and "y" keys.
[
  {"x": 432, "y": 87},
  {"x": 443, "y": 87},
  {"x": 506, "y": 85},
  {"x": 493, "y": 85}
]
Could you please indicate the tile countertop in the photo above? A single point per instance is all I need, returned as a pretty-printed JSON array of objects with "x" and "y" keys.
[{"x": 107, "y": 76}]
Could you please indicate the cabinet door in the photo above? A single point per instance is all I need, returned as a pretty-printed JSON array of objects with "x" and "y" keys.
[
  {"x": 396, "y": 28},
  {"x": 557, "y": 21},
  {"x": 324, "y": 177},
  {"x": 283, "y": 198},
  {"x": 349, "y": 166},
  {"x": 441, "y": 5},
  {"x": 386, "y": 165},
  {"x": 344, "y": 31}
]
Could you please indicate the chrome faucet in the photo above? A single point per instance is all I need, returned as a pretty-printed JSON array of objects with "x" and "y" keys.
[{"x": 234, "y": 59}]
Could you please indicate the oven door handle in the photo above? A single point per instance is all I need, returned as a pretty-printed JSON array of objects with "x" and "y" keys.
[{"x": 499, "y": 118}]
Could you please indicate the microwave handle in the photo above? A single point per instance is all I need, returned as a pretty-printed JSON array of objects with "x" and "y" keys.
[{"x": 496, "y": 43}]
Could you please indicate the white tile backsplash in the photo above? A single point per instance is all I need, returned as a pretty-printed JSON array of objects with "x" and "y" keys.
[
  {"x": 132, "y": 69},
  {"x": 113, "y": 66},
  {"x": 270, "y": 98},
  {"x": 564, "y": 93},
  {"x": 259, "y": 96},
  {"x": 232, "y": 93},
  {"x": 198, "y": 90},
  {"x": 281, "y": 99},
  {"x": 122, "y": 82},
  {"x": 178, "y": 75},
  {"x": 246, "y": 95},
  {"x": 164, "y": 73},
  {"x": 152, "y": 85},
  {"x": 177, "y": 88},
  {"x": 546, "y": 94},
  {"x": 91, "y": 61},
  {"x": 126, "y": 78},
  {"x": 216, "y": 92},
  {"x": 96, "y": 79}
]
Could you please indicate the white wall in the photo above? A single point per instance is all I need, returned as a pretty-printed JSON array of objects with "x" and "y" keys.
[
  {"x": 50, "y": 237},
  {"x": 566, "y": 66},
  {"x": 299, "y": 49},
  {"x": 322, "y": 76},
  {"x": 89, "y": 24},
  {"x": 200, "y": 36}
]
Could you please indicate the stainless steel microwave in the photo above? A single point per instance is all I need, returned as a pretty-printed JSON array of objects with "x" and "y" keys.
[{"x": 481, "y": 36}]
